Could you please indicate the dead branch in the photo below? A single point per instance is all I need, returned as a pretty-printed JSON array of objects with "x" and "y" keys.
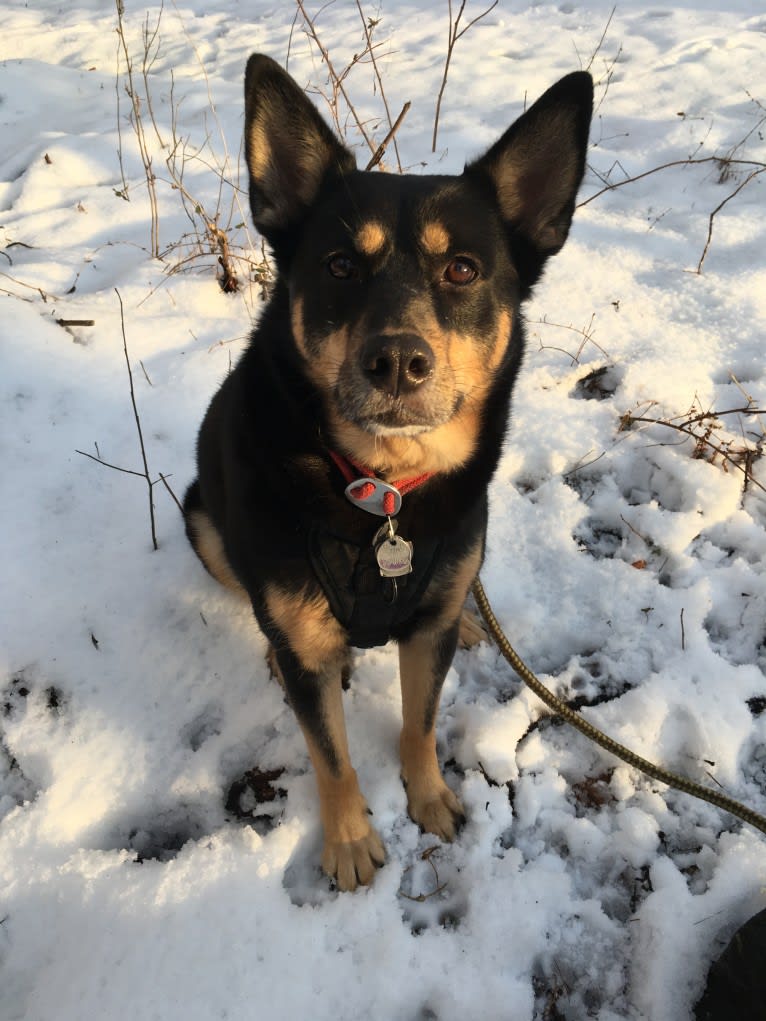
[
  {"x": 368, "y": 26},
  {"x": 703, "y": 439},
  {"x": 138, "y": 127},
  {"x": 452, "y": 38},
  {"x": 106, "y": 464},
  {"x": 43, "y": 294},
  {"x": 718, "y": 208},
  {"x": 378, "y": 154},
  {"x": 149, "y": 482},
  {"x": 612, "y": 186},
  {"x": 165, "y": 483},
  {"x": 336, "y": 79}
]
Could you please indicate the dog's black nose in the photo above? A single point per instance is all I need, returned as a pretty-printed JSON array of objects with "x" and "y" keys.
[{"x": 397, "y": 364}]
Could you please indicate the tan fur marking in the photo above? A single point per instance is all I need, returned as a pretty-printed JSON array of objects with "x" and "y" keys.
[
  {"x": 370, "y": 239},
  {"x": 265, "y": 170},
  {"x": 443, "y": 449},
  {"x": 324, "y": 365},
  {"x": 502, "y": 337},
  {"x": 258, "y": 151},
  {"x": 296, "y": 319},
  {"x": 314, "y": 634},
  {"x": 325, "y": 368},
  {"x": 435, "y": 239},
  {"x": 208, "y": 546}
]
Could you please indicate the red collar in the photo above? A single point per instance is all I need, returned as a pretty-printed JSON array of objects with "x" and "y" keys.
[{"x": 353, "y": 472}]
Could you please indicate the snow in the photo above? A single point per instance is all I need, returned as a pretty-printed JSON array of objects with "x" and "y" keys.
[{"x": 629, "y": 574}]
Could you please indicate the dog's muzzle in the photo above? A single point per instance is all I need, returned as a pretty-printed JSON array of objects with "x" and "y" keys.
[{"x": 394, "y": 386}]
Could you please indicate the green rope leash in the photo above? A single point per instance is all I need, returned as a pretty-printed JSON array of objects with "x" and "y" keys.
[{"x": 665, "y": 776}]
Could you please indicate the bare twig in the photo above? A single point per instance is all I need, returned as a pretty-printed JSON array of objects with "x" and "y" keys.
[
  {"x": 123, "y": 192},
  {"x": 703, "y": 439},
  {"x": 149, "y": 482},
  {"x": 719, "y": 207},
  {"x": 368, "y": 26},
  {"x": 138, "y": 127},
  {"x": 337, "y": 79},
  {"x": 452, "y": 38},
  {"x": 608, "y": 74},
  {"x": 438, "y": 887},
  {"x": 600, "y": 43},
  {"x": 666, "y": 166},
  {"x": 378, "y": 154},
  {"x": 43, "y": 294},
  {"x": 106, "y": 464},
  {"x": 586, "y": 334},
  {"x": 175, "y": 498}
]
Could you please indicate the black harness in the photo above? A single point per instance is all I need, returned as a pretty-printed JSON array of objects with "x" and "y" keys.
[{"x": 366, "y": 604}]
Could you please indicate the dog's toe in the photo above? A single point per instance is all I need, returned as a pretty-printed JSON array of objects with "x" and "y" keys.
[
  {"x": 438, "y": 812},
  {"x": 353, "y": 863}
]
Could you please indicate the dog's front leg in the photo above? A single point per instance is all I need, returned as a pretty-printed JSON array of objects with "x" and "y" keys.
[
  {"x": 424, "y": 659},
  {"x": 311, "y": 652},
  {"x": 423, "y": 664}
]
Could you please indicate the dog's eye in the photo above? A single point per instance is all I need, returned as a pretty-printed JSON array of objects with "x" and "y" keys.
[
  {"x": 341, "y": 267},
  {"x": 460, "y": 272}
]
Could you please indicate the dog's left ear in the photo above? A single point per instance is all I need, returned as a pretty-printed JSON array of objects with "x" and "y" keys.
[{"x": 537, "y": 165}]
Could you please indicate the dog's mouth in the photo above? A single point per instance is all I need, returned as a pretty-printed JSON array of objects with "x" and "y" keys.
[{"x": 382, "y": 415}]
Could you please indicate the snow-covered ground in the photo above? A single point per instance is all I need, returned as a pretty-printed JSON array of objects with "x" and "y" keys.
[{"x": 139, "y": 878}]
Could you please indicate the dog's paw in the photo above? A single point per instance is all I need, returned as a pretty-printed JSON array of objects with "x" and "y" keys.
[
  {"x": 353, "y": 863},
  {"x": 436, "y": 811},
  {"x": 471, "y": 631}
]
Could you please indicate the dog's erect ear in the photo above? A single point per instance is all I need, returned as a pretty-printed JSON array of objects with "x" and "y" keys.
[
  {"x": 288, "y": 146},
  {"x": 537, "y": 165}
]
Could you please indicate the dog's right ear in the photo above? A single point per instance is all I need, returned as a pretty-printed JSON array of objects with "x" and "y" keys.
[{"x": 290, "y": 150}]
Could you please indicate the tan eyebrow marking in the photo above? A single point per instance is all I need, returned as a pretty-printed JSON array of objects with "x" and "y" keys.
[
  {"x": 370, "y": 238},
  {"x": 435, "y": 238}
]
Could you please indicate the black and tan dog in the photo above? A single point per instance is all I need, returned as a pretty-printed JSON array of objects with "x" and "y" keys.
[{"x": 344, "y": 463}]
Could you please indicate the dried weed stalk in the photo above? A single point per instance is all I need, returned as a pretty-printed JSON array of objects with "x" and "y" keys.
[
  {"x": 339, "y": 90},
  {"x": 455, "y": 33}
]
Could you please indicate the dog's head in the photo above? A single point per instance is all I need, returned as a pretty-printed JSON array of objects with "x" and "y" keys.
[{"x": 404, "y": 290}]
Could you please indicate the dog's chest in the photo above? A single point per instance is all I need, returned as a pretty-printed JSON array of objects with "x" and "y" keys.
[{"x": 368, "y": 604}]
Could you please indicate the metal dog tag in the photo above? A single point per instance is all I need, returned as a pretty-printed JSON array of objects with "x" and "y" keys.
[
  {"x": 392, "y": 552},
  {"x": 394, "y": 557}
]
